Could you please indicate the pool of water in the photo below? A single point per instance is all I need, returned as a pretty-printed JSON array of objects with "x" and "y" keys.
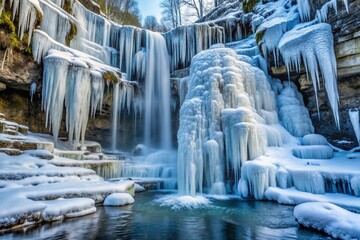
[{"x": 148, "y": 219}]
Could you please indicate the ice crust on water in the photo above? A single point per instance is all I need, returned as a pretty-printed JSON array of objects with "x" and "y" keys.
[
  {"x": 300, "y": 44},
  {"x": 329, "y": 218}
]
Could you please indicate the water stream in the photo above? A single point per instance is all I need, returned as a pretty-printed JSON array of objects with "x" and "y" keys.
[{"x": 146, "y": 219}]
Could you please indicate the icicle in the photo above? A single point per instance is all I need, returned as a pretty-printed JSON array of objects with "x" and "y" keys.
[
  {"x": 6, "y": 56},
  {"x": 354, "y": 118},
  {"x": 185, "y": 42},
  {"x": 32, "y": 90},
  {"x": 304, "y": 10},
  {"x": 322, "y": 14}
]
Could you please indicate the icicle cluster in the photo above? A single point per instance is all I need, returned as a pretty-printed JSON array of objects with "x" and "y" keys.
[
  {"x": 185, "y": 42},
  {"x": 304, "y": 10},
  {"x": 301, "y": 44},
  {"x": 68, "y": 81},
  {"x": 27, "y": 12}
]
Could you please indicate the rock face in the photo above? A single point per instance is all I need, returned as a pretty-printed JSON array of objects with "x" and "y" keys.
[
  {"x": 19, "y": 70},
  {"x": 346, "y": 30}
]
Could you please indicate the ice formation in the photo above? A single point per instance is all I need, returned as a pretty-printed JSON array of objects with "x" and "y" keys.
[
  {"x": 304, "y": 10},
  {"x": 185, "y": 42},
  {"x": 159, "y": 166},
  {"x": 300, "y": 44},
  {"x": 27, "y": 12},
  {"x": 292, "y": 112},
  {"x": 322, "y": 14},
  {"x": 354, "y": 118},
  {"x": 222, "y": 114}
]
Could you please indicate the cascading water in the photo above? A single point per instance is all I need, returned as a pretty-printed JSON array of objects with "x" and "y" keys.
[
  {"x": 155, "y": 165},
  {"x": 157, "y": 91}
]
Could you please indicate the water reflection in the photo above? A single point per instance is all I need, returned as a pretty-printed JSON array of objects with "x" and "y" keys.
[{"x": 231, "y": 219}]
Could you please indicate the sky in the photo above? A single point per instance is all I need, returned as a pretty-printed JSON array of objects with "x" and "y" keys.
[{"x": 150, "y": 7}]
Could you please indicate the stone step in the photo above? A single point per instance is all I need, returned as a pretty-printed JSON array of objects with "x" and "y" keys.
[{"x": 11, "y": 151}]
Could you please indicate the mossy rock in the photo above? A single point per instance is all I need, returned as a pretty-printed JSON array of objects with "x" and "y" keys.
[
  {"x": 23, "y": 130},
  {"x": 11, "y": 152},
  {"x": 248, "y": 5},
  {"x": 111, "y": 76},
  {"x": 6, "y": 143},
  {"x": 71, "y": 34},
  {"x": 67, "y": 6},
  {"x": 25, "y": 146},
  {"x": 2, "y": 125}
]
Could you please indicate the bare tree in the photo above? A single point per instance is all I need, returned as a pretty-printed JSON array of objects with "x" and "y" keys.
[
  {"x": 123, "y": 12},
  {"x": 151, "y": 23},
  {"x": 171, "y": 14}
]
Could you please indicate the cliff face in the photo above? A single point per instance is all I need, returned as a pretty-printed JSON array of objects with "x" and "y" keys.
[{"x": 346, "y": 32}]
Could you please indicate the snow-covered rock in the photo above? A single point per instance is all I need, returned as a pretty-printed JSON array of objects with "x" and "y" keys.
[
  {"x": 119, "y": 199},
  {"x": 329, "y": 218}
]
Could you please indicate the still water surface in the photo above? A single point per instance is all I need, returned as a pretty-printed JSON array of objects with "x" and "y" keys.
[{"x": 146, "y": 219}]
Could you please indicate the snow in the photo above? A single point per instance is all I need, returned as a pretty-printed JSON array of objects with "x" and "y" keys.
[
  {"x": 67, "y": 208},
  {"x": 291, "y": 196},
  {"x": 139, "y": 188},
  {"x": 119, "y": 199},
  {"x": 331, "y": 219}
]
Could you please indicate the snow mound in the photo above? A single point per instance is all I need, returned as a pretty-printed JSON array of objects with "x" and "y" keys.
[
  {"x": 119, "y": 199},
  {"x": 313, "y": 152},
  {"x": 179, "y": 202},
  {"x": 314, "y": 139},
  {"x": 329, "y": 218},
  {"x": 291, "y": 196},
  {"x": 139, "y": 188}
]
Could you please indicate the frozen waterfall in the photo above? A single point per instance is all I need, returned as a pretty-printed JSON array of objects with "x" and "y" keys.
[{"x": 222, "y": 122}]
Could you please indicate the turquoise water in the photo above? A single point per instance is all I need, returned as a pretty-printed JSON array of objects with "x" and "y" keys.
[{"x": 147, "y": 219}]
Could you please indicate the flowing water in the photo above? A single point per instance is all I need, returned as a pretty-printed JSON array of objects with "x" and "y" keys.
[{"x": 147, "y": 219}]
